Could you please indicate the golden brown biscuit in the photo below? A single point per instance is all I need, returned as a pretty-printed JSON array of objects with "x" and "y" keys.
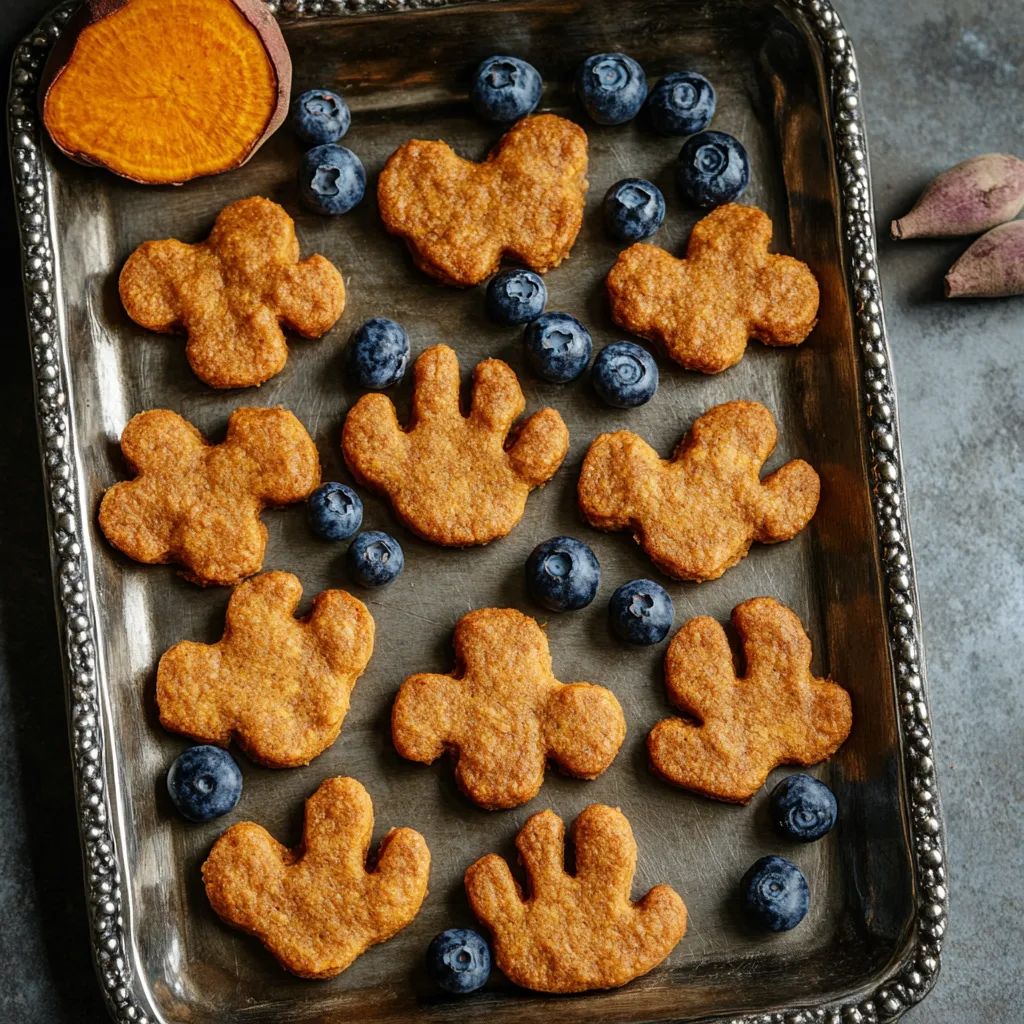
[
  {"x": 702, "y": 309},
  {"x": 581, "y": 931},
  {"x": 454, "y": 479},
  {"x": 502, "y": 713},
  {"x": 459, "y": 218},
  {"x": 697, "y": 513},
  {"x": 317, "y": 907},
  {"x": 198, "y": 503},
  {"x": 231, "y": 293},
  {"x": 740, "y": 728},
  {"x": 276, "y": 684}
]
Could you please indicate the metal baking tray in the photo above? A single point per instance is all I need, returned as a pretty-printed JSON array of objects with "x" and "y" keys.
[{"x": 788, "y": 88}]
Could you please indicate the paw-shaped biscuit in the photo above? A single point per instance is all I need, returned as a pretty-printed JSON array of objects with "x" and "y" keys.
[
  {"x": 198, "y": 503},
  {"x": 740, "y": 728},
  {"x": 502, "y": 714},
  {"x": 455, "y": 479},
  {"x": 697, "y": 513},
  {"x": 581, "y": 931},
  {"x": 702, "y": 309},
  {"x": 317, "y": 907},
  {"x": 276, "y": 684},
  {"x": 231, "y": 293},
  {"x": 459, "y": 218}
]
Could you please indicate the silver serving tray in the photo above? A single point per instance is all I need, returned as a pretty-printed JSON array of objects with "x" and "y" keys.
[{"x": 788, "y": 87}]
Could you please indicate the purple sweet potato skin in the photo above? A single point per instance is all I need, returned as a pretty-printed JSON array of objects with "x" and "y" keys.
[{"x": 992, "y": 267}]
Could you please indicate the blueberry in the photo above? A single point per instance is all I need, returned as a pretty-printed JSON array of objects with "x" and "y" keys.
[
  {"x": 505, "y": 89},
  {"x": 612, "y": 87},
  {"x": 633, "y": 209},
  {"x": 625, "y": 375},
  {"x": 516, "y": 296},
  {"x": 682, "y": 103},
  {"x": 334, "y": 511},
  {"x": 459, "y": 960},
  {"x": 331, "y": 179},
  {"x": 641, "y": 612},
  {"x": 562, "y": 574},
  {"x": 803, "y": 808},
  {"x": 319, "y": 116},
  {"x": 204, "y": 783},
  {"x": 775, "y": 893},
  {"x": 712, "y": 169},
  {"x": 558, "y": 347},
  {"x": 378, "y": 354},
  {"x": 375, "y": 558}
]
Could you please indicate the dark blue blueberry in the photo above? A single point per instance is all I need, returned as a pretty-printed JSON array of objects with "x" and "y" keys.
[
  {"x": 625, "y": 375},
  {"x": 378, "y": 354},
  {"x": 204, "y": 783},
  {"x": 331, "y": 179},
  {"x": 459, "y": 960},
  {"x": 682, "y": 103},
  {"x": 335, "y": 511},
  {"x": 712, "y": 169},
  {"x": 633, "y": 209},
  {"x": 558, "y": 347},
  {"x": 612, "y": 87},
  {"x": 641, "y": 612},
  {"x": 516, "y": 296},
  {"x": 775, "y": 894},
  {"x": 319, "y": 116},
  {"x": 375, "y": 558},
  {"x": 505, "y": 89},
  {"x": 562, "y": 574},
  {"x": 803, "y": 808}
]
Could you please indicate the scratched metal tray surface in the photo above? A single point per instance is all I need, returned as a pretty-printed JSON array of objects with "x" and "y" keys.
[{"x": 788, "y": 88}]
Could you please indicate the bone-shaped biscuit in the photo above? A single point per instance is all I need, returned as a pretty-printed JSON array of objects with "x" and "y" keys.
[
  {"x": 317, "y": 907},
  {"x": 453, "y": 479},
  {"x": 581, "y": 931},
  {"x": 231, "y": 293},
  {"x": 740, "y": 728},
  {"x": 502, "y": 714},
  {"x": 702, "y": 309},
  {"x": 278, "y": 685},
  {"x": 697, "y": 513},
  {"x": 198, "y": 503},
  {"x": 459, "y": 218}
]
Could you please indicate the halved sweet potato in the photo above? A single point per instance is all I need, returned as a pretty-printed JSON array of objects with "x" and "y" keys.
[{"x": 161, "y": 91}]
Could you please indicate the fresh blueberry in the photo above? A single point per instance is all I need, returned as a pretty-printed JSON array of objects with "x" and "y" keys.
[
  {"x": 625, "y": 375},
  {"x": 803, "y": 808},
  {"x": 612, "y": 87},
  {"x": 335, "y": 511},
  {"x": 516, "y": 296},
  {"x": 204, "y": 783},
  {"x": 375, "y": 558},
  {"x": 319, "y": 116},
  {"x": 682, "y": 103},
  {"x": 459, "y": 960},
  {"x": 712, "y": 169},
  {"x": 558, "y": 347},
  {"x": 505, "y": 89},
  {"x": 331, "y": 179},
  {"x": 562, "y": 574},
  {"x": 378, "y": 354},
  {"x": 633, "y": 209},
  {"x": 641, "y": 612},
  {"x": 775, "y": 893}
]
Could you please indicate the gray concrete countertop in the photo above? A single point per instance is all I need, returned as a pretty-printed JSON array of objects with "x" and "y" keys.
[{"x": 943, "y": 80}]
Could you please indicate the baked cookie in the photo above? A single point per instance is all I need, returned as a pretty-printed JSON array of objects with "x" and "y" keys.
[
  {"x": 581, "y": 931},
  {"x": 502, "y": 714},
  {"x": 697, "y": 513},
  {"x": 459, "y": 218},
  {"x": 455, "y": 479},
  {"x": 231, "y": 293},
  {"x": 702, "y": 309},
  {"x": 317, "y": 907}
]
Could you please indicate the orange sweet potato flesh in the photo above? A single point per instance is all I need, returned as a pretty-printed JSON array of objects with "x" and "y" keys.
[{"x": 162, "y": 91}]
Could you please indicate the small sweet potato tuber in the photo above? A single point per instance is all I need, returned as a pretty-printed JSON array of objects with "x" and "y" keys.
[{"x": 992, "y": 267}]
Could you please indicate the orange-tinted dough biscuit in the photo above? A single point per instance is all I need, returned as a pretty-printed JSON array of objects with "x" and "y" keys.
[
  {"x": 317, "y": 907},
  {"x": 702, "y": 309},
  {"x": 459, "y": 218},
  {"x": 231, "y": 293},
  {"x": 502, "y": 713},
  {"x": 581, "y": 931},
  {"x": 198, "y": 503},
  {"x": 454, "y": 479},
  {"x": 740, "y": 728},
  {"x": 697, "y": 513}
]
